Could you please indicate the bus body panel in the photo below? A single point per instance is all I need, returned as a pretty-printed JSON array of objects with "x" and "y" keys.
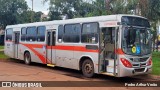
[
  {"x": 70, "y": 57},
  {"x": 8, "y": 50}
]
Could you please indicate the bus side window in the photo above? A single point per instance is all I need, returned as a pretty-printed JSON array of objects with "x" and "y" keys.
[
  {"x": 23, "y": 34},
  {"x": 89, "y": 33},
  {"x": 31, "y": 34},
  {"x": 41, "y": 33},
  {"x": 72, "y": 33},
  {"x": 60, "y": 33}
]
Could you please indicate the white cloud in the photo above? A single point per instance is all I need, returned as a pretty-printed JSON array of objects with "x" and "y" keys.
[
  {"x": 38, "y": 5},
  {"x": 45, "y": 12}
]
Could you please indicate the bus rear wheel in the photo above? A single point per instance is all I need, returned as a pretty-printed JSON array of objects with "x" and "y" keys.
[
  {"x": 27, "y": 58},
  {"x": 88, "y": 68}
]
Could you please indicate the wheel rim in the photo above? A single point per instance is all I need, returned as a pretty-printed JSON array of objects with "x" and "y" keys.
[{"x": 88, "y": 68}]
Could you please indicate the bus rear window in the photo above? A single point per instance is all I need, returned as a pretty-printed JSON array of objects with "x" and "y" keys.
[{"x": 9, "y": 33}]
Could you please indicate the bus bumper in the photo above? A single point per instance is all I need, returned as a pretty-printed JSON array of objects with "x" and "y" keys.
[{"x": 123, "y": 71}]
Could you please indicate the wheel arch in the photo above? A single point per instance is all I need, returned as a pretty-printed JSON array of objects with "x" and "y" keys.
[
  {"x": 25, "y": 53},
  {"x": 82, "y": 59}
]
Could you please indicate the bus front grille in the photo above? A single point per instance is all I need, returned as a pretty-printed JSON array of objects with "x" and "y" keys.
[
  {"x": 139, "y": 59},
  {"x": 140, "y": 70}
]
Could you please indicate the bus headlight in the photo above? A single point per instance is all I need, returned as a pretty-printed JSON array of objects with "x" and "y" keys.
[{"x": 126, "y": 63}]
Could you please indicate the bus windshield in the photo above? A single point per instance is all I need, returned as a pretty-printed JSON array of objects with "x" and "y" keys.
[{"x": 136, "y": 41}]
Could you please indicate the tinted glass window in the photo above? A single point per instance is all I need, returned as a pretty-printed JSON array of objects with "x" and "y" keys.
[
  {"x": 23, "y": 34},
  {"x": 90, "y": 28},
  {"x": 17, "y": 34},
  {"x": 72, "y": 33},
  {"x": 49, "y": 38},
  {"x": 31, "y": 34},
  {"x": 90, "y": 33},
  {"x": 135, "y": 21},
  {"x": 9, "y": 33},
  {"x": 41, "y": 33},
  {"x": 60, "y": 33}
]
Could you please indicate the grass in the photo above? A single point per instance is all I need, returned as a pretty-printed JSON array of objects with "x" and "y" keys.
[
  {"x": 156, "y": 63},
  {"x": 2, "y": 55},
  {"x": 1, "y": 47}
]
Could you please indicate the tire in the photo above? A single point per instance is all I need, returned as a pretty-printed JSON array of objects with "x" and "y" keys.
[
  {"x": 88, "y": 68},
  {"x": 27, "y": 58}
]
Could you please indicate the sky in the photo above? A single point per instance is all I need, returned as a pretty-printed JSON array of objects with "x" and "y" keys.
[{"x": 38, "y": 6}]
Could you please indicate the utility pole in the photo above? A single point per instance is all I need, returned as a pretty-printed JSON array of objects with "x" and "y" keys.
[
  {"x": 32, "y": 12},
  {"x": 107, "y": 5}
]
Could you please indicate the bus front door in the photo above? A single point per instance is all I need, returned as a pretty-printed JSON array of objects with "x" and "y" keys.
[
  {"x": 50, "y": 50},
  {"x": 16, "y": 44},
  {"x": 108, "y": 56}
]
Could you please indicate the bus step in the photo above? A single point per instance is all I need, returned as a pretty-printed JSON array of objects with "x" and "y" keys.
[
  {"x": 51, "y": 65},
  {"x": 109, "y": 74}
]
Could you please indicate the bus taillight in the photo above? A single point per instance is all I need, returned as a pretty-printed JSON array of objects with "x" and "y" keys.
[
  {"x": 126, "y": 63},
  {"x": 149, "y": 62}
]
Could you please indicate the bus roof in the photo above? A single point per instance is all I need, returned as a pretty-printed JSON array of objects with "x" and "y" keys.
[{"x": 75, "y": 20}]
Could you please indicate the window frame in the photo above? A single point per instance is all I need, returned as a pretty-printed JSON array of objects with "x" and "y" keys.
[
  {"x": 98, "y": 32},
  {"x": 79, "y": 35},
  {"x": 37, "y": 35},
  {"x": 23, "y": 34},
  {"x": 32, "y": 35},
  {"x": 59, "y": 34},
  {"x": 6, "y": 37}
]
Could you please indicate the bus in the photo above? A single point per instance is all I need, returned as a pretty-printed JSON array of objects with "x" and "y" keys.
[{"x": 115, "y": 45}]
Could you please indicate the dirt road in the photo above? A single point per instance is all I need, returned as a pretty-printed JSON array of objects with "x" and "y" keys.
[{"x": 15, "y": 70}]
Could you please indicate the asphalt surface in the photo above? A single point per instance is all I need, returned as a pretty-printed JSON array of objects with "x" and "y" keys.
[{"x": 16, "y": 70}]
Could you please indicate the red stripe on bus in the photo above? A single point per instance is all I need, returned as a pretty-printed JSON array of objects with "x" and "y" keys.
[
  {"x": 68, "y": 48},
  {"x": 34, "y": 45},
  {"x": 119, "y": 51},
  {"x": 31, "y": 47},
  {"x": 63, "y": 47},
  {"x": 72, "y": 48}
]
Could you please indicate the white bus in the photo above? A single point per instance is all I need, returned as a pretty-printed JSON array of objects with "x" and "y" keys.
[{"x": 115, "y": 45}]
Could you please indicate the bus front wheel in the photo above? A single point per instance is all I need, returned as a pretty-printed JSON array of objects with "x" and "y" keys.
[
  {"x": 27, "y": 58},
  {"x": 88, "y": 68}
]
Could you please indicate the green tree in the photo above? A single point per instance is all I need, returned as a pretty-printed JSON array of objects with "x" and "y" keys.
[
  {"x": 97, "y": 8},
  {"x": 62, "y": 7},
  {"x": 37, "y": 16},
  {"x": 12, "y": 11},
  {"x": 153, "y": 14}
]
